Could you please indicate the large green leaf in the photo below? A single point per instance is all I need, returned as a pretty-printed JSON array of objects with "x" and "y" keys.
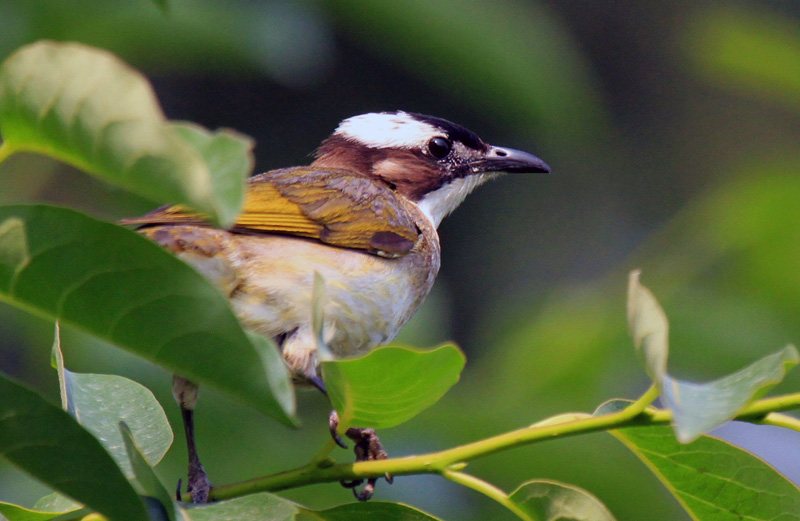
[
  {"x": 119, "y": 286},
  {"x": 84, "y": 106},
  {"x": 551, "y": 500},
  {"x": 713, "y": 479},
  {"x": 696, "y": 407},
  {"x": 47, "y": 443},
  {"x": 390, "y": 385},
  {"x": 100, "y": 402}
]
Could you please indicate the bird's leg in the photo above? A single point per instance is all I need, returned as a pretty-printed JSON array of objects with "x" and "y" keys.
[
  {"x": 367, "y": 447},
  {"x": 185, "y": 393}
]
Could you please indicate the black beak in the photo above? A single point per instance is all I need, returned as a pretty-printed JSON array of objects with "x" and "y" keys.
[{"x": 499, "y": 159}]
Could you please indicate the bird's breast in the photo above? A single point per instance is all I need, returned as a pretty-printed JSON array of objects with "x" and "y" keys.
[{"x": 367, "y": 298}]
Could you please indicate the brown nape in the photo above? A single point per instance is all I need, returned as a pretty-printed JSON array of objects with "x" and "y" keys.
[{"x": 407, "y": 172}]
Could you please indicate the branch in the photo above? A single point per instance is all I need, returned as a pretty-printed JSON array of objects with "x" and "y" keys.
[{"x": 636, "y": 415}]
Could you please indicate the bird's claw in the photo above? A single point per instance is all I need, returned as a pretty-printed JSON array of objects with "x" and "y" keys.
[
  {"x": 367, "y": 447},
  {"x": 198, "y": 485}
]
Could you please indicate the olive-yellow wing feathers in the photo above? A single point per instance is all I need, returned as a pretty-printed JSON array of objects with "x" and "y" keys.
[{"x": 340, "y": 208}]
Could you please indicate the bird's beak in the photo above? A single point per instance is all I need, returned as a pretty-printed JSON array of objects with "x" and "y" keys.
[{"x": 501, "y": 159}]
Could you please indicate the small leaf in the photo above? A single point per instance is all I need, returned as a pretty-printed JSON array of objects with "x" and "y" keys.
[
  {"x": 123, "y": 288},
  {"x": 56, "y": 502},
  {"x": 47, "y": 443},
  {"x": 698, "y": 408},
  {"x": 145, "y": 475},
  {"x": 648, "y": 326},
  {"x": 86, "y": 107},
  {"x": 546, "y": 500},
  {"x": 558, "y": 419},
  {"x": 100, "y": 402},
  {"x": 371, "y": 511},
  {"x": 256, "y": 507},
  {"x": 390, "y": 385},
  {"x": 713, "y": 479},
  {"x": 229, "y": 157},
  {"x": 17, "y": 513}
]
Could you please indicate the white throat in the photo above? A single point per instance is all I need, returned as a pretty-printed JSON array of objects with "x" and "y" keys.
[{"x": 438, "y": 204}]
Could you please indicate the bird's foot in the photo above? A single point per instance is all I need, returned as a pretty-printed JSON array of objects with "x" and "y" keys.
[{"x": 367, "y": 447}]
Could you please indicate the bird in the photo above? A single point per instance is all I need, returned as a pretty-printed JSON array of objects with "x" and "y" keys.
[{"x": 363, "y": 215}]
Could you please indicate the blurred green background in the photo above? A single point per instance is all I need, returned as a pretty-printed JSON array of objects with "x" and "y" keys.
[{"x": 672, "y": 129}]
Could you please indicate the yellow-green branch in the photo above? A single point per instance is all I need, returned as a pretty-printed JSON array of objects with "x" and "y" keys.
[{"x": 636, "y": 414}]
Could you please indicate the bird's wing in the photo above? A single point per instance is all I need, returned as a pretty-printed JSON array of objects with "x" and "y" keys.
[{"x": 336, "y": 207}]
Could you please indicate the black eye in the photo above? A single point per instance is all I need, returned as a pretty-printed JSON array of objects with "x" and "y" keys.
[{"x": 439, "y": 147}]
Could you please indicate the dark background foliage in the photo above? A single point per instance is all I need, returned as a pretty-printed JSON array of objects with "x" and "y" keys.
[{"x": 672, "y": 130}]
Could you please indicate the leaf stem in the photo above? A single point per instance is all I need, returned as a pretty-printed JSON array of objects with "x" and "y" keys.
[
  {"x": 488, "y": 490},
  {"x": 781, "y": 420}
]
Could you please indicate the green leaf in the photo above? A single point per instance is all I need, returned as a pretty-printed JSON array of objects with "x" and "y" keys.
[
  {"x": 100, "y": 402},
  {"x": 371, "y": 511},
  {"x": 18, "y": 513},
  {"x": 145, "y": 475},
  {"x": 390, "y": 385},
  {"x": 229, "y": 157},
  {"x": 698, "y": 408},
  {"x": 648, "y": 326},
  {"x": 712, "y": 479},
  {"x": 56, "y": 502},
  {"x": 119, "y": 286},
  {"x": 546, "y": 500},
  {"x": 256, "y": 507},
  {"x": 86, "y": 107},
  {"x": 48, "y": 444}
]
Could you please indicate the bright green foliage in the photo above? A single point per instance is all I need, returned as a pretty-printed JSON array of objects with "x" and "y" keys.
[
  {"x": 549, "y": 500},
  {"x": 713, "y": 479},
  {"x": 119, "y": 286},
  {"x": 50, "y": 445},
  {"x": 84, "y": 106},
  {"x": 100, "y": 402},
  {"x": 390, "y": 385}
]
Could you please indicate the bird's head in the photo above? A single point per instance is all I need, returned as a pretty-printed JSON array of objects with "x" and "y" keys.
[{"x": 429, "y": 160}]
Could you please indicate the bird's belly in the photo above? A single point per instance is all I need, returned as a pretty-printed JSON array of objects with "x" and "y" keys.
[{"x": 367, "y": 299}]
